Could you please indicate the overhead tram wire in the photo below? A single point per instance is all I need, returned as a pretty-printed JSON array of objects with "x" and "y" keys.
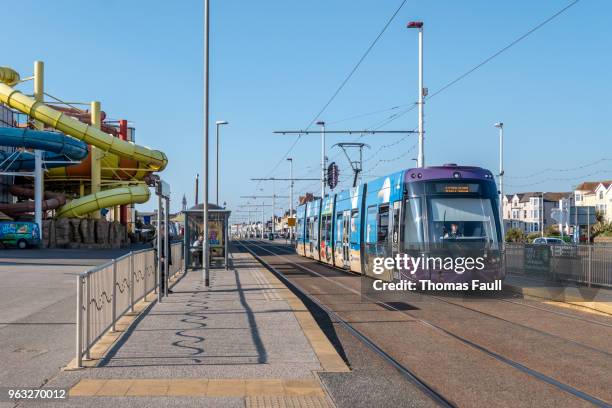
[
  {"x": 548, "y": 170},
  {"x": 449, "y": 84},
  {"x": 494, "y": 55},
  {"x": 342, "y": 84},
  {"x": 576, "y": 178},
  {"x": 363, "y": 57},
  {"x": 363, "y": 115},
  {"x": 396, "y": 116}
]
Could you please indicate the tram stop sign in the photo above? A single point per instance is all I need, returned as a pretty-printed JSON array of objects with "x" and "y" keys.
[
  {"x": 291, "y": 221},
  {"x": 332, "y": 175}
]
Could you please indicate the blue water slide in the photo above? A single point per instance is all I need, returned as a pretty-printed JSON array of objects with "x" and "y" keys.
[{"x": 55, "y": 146}]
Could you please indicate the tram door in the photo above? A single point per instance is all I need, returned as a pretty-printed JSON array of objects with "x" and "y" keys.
[
  {"x": 395, "y": 232},
  {"x": 307, "y": 237},
  {"x": 346, "y": 233}
]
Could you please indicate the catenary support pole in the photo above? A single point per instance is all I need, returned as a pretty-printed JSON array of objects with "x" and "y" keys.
[
  {"x": 421, "y": 156},
  {"x": 422, "y": 93},
  {"x": 322, "y": 124},
  {"x": 291, "y": 196},
  {"x": 273, "y": 208}
]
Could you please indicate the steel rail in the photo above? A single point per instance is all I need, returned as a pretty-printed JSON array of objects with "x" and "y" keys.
[{"x": 569, "y": 316}]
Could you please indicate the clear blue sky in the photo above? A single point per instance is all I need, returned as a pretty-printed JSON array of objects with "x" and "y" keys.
[{"x": 275, "y": 63}]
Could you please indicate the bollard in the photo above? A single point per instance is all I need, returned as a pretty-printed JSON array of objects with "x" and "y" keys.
[
  {"x": 132, "y": 282},
  {"x": 79, "y": 319},
  {"x": 114, "y": 296}
]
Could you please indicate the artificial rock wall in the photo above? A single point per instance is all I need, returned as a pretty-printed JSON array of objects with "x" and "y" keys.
[{"x": 83, "y": 233}]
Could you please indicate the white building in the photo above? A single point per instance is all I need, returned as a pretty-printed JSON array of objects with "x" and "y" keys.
[
  {"x": 597, "y": 194},
  {"x": 531, "y": 211}
]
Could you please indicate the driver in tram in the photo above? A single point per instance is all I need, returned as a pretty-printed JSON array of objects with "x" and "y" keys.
[{"x": 453, "y": 233}]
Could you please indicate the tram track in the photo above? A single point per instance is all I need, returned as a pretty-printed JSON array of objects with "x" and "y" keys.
[
  {"x": 565, "y": 315},
  {"x": 280, "y": 252},
  {"x": 569, "y": 316},
  {"x": 427, "y": 389}
]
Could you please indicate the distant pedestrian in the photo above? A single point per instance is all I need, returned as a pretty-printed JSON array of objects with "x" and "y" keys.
[{"x": 197, "y": 249}]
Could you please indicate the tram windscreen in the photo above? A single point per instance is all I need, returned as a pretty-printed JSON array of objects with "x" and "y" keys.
[{"x": 462, "y": 219}]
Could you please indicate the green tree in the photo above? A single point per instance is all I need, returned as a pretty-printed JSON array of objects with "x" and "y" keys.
[
  {"x": 515, "y": 235},
  {"x": 552, "y": 231},
  {"x": 533, "y": 235}
]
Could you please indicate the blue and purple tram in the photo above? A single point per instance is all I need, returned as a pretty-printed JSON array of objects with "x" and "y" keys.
[{"x": 433, "y": 213}]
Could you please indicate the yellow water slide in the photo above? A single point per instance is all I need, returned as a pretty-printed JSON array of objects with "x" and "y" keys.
[{"x": 148, "y": 160}]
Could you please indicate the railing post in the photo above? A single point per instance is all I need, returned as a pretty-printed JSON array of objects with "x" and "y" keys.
[
  {"x": 79, "y": 320},
  {"x": 590, "y": 266},
  {"x": 132, "y": 282},
  {"x": 145, "y": 273},
  {"x": 159, "y": 277},
  {"x": 114, "y": 294},
  {"x": 87, "y": 314}
]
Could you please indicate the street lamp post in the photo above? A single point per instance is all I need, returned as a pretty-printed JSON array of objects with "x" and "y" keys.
[
  {"x": 219, "y": 123},
  {"x": 422, "y": 92},
  {"x": 543, "y": 208},
  {"x": 290, "y": 160},
  {"x": 206, "y": 247},
  {"x": 273, "y": 208},
  {"x": 500, "y": 126}
]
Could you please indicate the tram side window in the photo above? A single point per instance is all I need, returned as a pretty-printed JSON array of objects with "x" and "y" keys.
[
  {"x": 371, "y": 220},
  {"x": 326, "y": 228},
  {"x": 315, "y": 228},
  {"x": 298, "y": 232},
  {"x": 339, "y": 221},
  {"x": 308, "y": 225},
  {"x": 413, "y": 231},
  {"x": 383, "y": 223},
  {"x": 354, "y": 227}
]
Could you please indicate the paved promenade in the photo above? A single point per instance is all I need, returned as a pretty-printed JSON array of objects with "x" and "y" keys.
[
  {"x": 37, "y": 311},
  {"x": 594, "y": 298},
  {"x": 245, "y": 341}
]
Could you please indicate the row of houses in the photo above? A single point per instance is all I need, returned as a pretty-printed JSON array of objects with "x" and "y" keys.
[{"x": 531, "y": 211}]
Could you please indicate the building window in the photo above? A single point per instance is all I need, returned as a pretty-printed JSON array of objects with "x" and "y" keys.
[
  {"x": 578, "y": 197},
  {"x": 601, "y": 195}
]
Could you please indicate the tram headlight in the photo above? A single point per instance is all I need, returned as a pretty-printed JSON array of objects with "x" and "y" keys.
[{"x": 456, "y": 175}]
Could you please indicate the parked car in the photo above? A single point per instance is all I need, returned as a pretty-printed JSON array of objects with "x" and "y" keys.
[
  {"x": 558, "y": 247},
  {"x": 19, "y": 234}
]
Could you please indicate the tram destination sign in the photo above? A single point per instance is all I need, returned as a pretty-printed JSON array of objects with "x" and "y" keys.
[{"x": 456, "y": 188}]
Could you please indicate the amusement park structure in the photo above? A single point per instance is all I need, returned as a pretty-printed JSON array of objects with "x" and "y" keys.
[{"x": 88, "y": 163}]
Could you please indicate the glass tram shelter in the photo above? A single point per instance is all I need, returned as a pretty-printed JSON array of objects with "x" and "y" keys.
[{"x": 218, "y": 226}]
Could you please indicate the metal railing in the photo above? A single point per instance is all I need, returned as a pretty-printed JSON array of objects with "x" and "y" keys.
[
  {"x": 589, "y": 265},
  {"x": 105, "y": 293}
]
